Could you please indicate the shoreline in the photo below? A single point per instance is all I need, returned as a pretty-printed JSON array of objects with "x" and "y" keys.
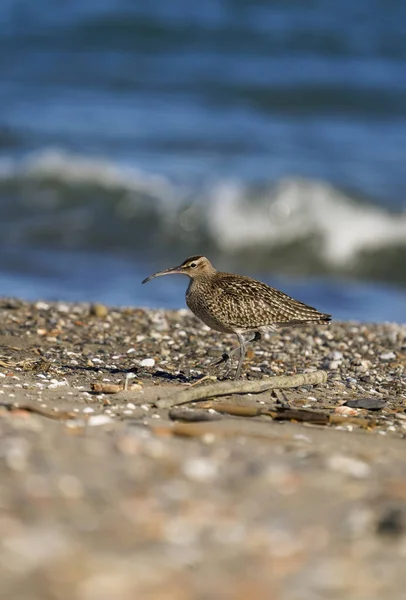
[{"x": 106, "y": 495}]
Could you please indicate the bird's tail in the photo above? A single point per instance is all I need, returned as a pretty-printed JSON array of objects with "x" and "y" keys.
[{"x": 316, "y": 319}]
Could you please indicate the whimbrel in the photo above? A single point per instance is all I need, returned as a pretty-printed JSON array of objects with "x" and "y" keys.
[{"x": 238, "y": 304}]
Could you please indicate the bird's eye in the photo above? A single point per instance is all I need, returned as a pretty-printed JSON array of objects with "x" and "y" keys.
[{"x": 193, "y": 265}]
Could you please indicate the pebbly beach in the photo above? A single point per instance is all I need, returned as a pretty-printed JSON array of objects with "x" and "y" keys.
[
  {"x": 286, "y": 493},
  {"x": 253, "y": 445}
]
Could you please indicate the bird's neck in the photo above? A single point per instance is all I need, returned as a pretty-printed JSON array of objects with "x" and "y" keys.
[{"x": 200, "y": 281}]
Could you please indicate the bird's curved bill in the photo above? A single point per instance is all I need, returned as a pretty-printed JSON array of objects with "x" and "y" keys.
[{"x": 171, "y": 271}]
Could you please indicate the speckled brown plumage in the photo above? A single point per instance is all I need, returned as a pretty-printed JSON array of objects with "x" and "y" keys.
[{"x": 238, "y": 304}]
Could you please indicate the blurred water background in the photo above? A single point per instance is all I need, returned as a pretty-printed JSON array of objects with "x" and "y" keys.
[{"x": 268, "y": 135}]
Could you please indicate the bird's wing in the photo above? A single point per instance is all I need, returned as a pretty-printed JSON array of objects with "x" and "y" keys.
[{"x": 250, "y": 304}]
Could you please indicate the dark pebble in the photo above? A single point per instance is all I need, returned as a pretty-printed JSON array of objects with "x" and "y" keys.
[
  {"x": 368, "y": 403},
  {"x": 390, "y": 523}
]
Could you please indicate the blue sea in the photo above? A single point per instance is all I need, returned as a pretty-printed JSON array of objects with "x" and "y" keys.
[{"x": 268, "y": 135}]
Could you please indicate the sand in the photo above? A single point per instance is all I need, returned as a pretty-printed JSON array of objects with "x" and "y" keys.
[{"x": 107, "y": 496}]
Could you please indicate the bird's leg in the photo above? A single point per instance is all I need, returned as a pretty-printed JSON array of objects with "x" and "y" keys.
[
  {"x": 225, "y": 357},
  {"x": 243, "y": 350}
]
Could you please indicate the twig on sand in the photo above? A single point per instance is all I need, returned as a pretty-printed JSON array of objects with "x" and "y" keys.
[{"x": 225, "y": 388}]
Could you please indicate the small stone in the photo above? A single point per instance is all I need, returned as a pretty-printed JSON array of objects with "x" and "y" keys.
[
  {"x": 96, "y": 420},
  {"x": 42, "y": 306},
  {"x": 200, "y": 469},
  {"x": 387, "y": 356},
  {"x": 333, "y": 365},
  {"x": 147, "y": 362},
  {"x": 346, "y": 411},
  {"x": 136, "y": 387},
  {"x": 349, "y": 466},
  {"x": 15, "y": 452},
  {"x": 62, "y": 307},
  {"x": 368, "y": 403},
  {"x": 391, "y": 522},
  {"x": 99, "y": 310}
]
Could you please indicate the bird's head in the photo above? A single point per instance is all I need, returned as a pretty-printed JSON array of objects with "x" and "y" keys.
[{"x": 193, "y": 267}]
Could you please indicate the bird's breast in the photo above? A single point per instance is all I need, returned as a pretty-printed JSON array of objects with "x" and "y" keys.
[{"x": 206, "y": 307}]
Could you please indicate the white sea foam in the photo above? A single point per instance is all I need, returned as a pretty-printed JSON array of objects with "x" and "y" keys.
[
  {"x": 296, "y": 209},
  {"x": 78, "y": 169}
]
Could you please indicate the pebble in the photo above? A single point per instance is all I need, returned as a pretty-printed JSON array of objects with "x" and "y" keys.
[
  {"x": 42, "y": 306},
  {"x": 99, "y": 310},
  {"x": 200, "y": 469},
  {"x": 346, "y": 411},
  {"x": 387, "y": 356},
  {"x": 96, "y": 420},
  {"x": 16, "y": 451},
  {"x": 55, "y": 383},
  {"x": 368, "y": 403},
  {"x": 63, "y": 308},
  {"x": 349, "y": 466},
  {"x": 147, "y": 362}
]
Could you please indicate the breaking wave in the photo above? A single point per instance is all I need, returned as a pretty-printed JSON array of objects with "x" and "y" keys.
[{"x": 294, "y": 225}]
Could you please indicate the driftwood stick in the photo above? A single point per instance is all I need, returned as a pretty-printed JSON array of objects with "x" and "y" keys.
[
  {"x": 225, "y": 388},
  {"x": 299, "y": 415},
  {"x": 223, "y": 427},
  {"x": 190, "y": 415},
  {"x": 60, "y": 415}
]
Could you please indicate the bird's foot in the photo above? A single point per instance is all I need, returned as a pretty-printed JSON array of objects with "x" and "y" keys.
[
  {"x": 223, "y": 359},
  {"x": 223, "y": 362}
]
